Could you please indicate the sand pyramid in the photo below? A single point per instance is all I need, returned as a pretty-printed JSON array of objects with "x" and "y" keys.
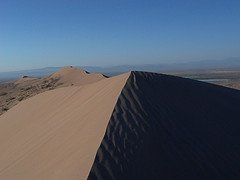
[{"x": 134, "y": 126}]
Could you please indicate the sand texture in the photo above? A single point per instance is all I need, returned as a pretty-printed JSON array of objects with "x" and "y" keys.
[
  {"x": 25, "y": 87},
  {"x": 75, "y": 76},
  {"x": 165, "y": 127},
  {"x": 56, "y": 134},
  {"x": 139, "y": 125}
]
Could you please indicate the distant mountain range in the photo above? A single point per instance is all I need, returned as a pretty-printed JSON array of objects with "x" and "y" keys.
[{"x": 230, "y": 63}]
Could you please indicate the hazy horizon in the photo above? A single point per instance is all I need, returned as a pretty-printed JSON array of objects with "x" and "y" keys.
[{"x": 169, "y": 64}]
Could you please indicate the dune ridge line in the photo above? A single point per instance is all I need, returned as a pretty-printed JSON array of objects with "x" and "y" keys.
[
  {"x": 166, "y": 127},
  {"x": 55, "y": 135}
]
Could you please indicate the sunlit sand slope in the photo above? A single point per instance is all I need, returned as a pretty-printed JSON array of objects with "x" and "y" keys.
[{"x": 56, "y": 134}]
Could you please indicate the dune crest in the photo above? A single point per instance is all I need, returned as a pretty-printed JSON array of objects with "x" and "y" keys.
[
  {"x": 75, "y": 76},
  {"x": 26, "y": 87},
  {"x": 166, "y": 127},
  {"x": 55, "y": 135},
  {"x": 138, "y": 125}
]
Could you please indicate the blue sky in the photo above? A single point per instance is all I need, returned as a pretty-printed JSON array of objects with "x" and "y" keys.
[{"x": 42, "y": 33}]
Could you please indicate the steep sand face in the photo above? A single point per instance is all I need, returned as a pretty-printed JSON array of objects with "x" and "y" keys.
[
  {"x": 56, "y": 134},
  {"x": 140, "y": 126},
  {"x": 165, "y": 127}
]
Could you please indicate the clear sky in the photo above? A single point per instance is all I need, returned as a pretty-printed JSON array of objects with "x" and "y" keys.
[{"x": 42, "y": 33}]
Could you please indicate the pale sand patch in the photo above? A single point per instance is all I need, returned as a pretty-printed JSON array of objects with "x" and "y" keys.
[{"x": 56, "y": 134}]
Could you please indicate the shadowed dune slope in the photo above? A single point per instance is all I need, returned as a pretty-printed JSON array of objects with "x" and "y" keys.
[
  {"x": 56, "y": 134},
  {"x": 165, "y": 127}
]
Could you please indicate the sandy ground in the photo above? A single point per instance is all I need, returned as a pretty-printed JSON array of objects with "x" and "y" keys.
[
  {"x": 166, "y": 127},
  {"x": 56, "y": 134},
  {"x": 14, "y": 92},
  {"x": 138, "y": 125}
]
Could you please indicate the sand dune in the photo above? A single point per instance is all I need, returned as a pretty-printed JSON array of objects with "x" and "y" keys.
[
  {"x": 26, "y": 87},
  {"x": 75, "y": 76},
  {"x": 55, "y": 135},
  {"x": 165, "y": 127},
  {"x": 133, "y": 126},
  {"x": 66, "y": 76}
]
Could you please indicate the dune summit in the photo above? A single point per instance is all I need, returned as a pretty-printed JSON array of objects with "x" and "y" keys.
[
  {"x": 133, "y": 126},
  {"x": 56, "y": 134},
  {"x": 74, "y": 76},
  {"x": 165, "y": 127},
  {"x": 26, "y": 87}
]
